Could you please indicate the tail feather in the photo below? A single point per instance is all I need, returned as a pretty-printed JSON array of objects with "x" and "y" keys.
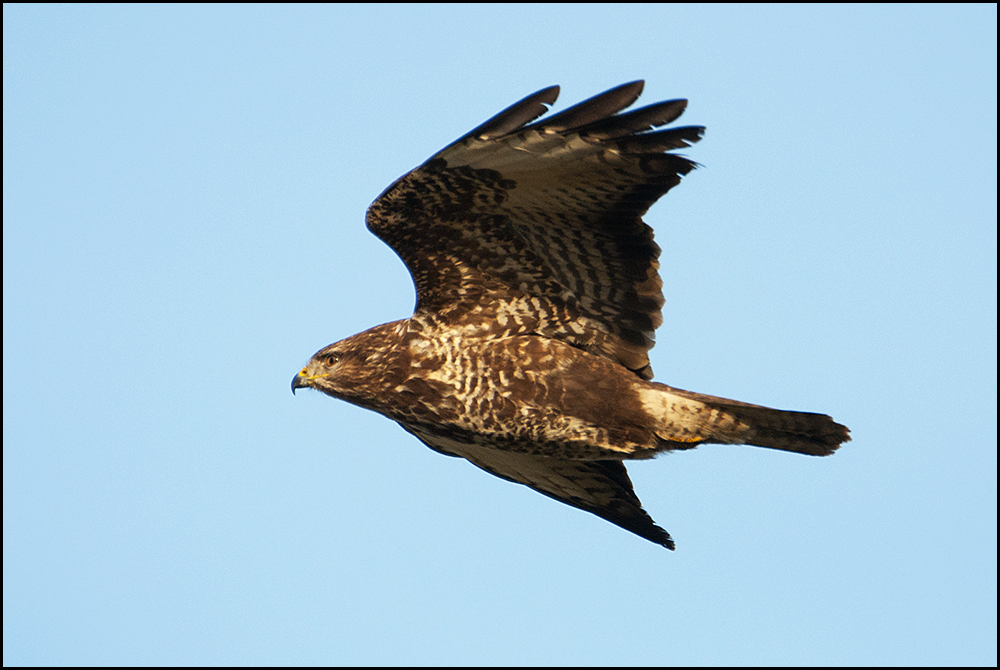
[{"x": 694, "y": 418}]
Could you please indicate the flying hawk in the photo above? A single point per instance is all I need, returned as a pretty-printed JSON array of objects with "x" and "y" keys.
[{"x": 537, "y": 296}]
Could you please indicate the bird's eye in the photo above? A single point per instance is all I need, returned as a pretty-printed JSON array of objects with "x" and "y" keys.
[{"x": 332, "y": 359}]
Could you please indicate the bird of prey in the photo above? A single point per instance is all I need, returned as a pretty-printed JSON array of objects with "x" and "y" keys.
[{"x": 538, "y": 292}]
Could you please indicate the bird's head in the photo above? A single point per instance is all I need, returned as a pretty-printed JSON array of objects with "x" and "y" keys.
[
  {"x": 333, "y": 370},
  {"x": 352, "y": 369}
]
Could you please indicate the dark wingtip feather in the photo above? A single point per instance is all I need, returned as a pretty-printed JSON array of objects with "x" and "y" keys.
[
  {"x": 592, "y": 109},
  {"x": 597, "y": 118},
  {"x": 637, "y": 121},
  {"x": 626, "y": 511},
  {"x": 516, "y": 116},
  {"x": 661, "y": 140}
]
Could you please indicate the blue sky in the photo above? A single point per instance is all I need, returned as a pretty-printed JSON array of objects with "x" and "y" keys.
[{"x": 184, "y": 192}]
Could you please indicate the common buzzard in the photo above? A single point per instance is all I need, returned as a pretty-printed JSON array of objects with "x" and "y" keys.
[{"x": 537, "y": 296}]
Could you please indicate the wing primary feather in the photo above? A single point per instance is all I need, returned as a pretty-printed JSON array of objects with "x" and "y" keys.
[
  {"x": 637, "y": 121},
  {"x": 514, "y": 117},
  {"x": 659, "y": 141},
  {"x": 591, "y": 110}
]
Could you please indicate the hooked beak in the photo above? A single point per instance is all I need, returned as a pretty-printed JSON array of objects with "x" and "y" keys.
[{"x": 299, "y": 382}]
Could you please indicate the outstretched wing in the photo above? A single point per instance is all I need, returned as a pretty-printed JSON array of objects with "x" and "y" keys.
[
  {"x": 599, "y": 487},
  {"x": 537, "y": 228}
]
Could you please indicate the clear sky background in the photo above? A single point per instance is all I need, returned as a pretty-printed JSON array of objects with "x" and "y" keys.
[{"x": 184, "y": 191}]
